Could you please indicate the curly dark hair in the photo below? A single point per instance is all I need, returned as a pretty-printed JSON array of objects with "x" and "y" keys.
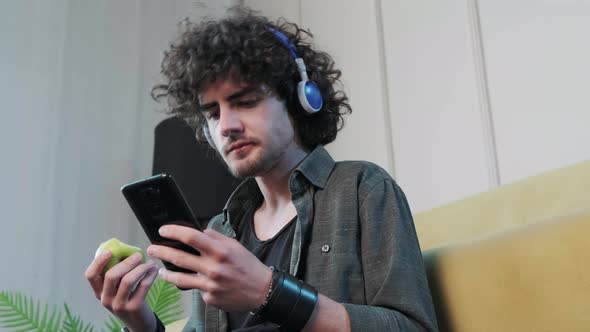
[{"x": 242, "y": 47}]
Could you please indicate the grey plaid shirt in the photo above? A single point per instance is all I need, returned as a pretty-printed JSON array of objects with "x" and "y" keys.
[{"x": 354, "y": 241}]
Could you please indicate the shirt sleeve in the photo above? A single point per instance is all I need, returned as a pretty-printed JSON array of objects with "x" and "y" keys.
[
  {"x": 196, "y": 321},
  {"x": 397, "y": 293}
]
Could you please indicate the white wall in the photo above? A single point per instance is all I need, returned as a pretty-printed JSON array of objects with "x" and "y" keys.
[
  {"x": 436, "y": 118},
  {"x": 539, "y": 74},
  {"x": 456, "y": 97},
  {"x": 77, "y": 123}
]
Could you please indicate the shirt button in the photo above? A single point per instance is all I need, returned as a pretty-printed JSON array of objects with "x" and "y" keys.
[{"x": 325, "y": 248}]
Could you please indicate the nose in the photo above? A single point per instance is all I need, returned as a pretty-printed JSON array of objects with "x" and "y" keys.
[{"x": 229, "y": 122}]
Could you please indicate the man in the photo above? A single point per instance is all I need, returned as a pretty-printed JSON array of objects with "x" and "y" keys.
[{"x": 304, "y": 243}]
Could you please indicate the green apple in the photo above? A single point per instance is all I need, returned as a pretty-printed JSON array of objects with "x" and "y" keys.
[{"x": 120, "y": 251}]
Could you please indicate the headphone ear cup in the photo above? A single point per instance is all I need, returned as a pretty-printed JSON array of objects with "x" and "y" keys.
[{"x": 309, "y": 96}]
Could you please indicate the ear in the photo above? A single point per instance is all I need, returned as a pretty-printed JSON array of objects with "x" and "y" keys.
[{"x": 208, "y": 136}]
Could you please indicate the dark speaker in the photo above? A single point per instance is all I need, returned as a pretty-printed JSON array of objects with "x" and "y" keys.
[{"x": 196, "y": 167}]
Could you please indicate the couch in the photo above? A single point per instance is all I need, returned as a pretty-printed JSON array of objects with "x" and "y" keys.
[{"x": 516, "y": 258}]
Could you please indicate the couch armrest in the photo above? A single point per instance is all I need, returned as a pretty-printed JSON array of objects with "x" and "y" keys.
[{"x": 533, "y": 278}]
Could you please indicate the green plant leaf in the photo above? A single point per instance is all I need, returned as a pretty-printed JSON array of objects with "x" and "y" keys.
[
  {"x": 113, "y": 324},
  {"x": 73, "y": 323},
  {"x": 18, "y": 313},
  {"x": 164, "y": 299}
]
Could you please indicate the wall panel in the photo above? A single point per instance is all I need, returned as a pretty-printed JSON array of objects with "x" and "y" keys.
[
  {"x": 537, "y": 57},
  {"x": 349, "y": 31},
  {"x": 436, "y": 113}
]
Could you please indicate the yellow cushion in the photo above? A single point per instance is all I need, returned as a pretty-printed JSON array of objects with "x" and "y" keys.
[
  {"x": 528, "y": 200},
  {"x": 535, "y": 278}
]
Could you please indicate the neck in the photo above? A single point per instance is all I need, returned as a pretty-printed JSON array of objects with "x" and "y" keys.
[{"x": 274, "y": 184}]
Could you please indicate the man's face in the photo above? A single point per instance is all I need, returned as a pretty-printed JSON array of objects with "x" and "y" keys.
[{"x": 249, "y": 126}]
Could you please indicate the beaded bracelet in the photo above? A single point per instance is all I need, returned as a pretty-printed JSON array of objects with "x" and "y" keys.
[{"x": 273, "y": 281}]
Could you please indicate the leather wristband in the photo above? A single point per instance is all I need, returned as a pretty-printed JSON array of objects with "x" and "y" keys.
[
  {"x": 303, "y": 309},
  {"x": 291, "y": 303}
]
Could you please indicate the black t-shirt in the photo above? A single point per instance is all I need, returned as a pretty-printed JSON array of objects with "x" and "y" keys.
[{"x": 276, "y": 252}]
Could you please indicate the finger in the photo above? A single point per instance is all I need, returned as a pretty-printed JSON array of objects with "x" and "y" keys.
[
  {"x": 140, "y": 293},
  {"x": 178, "y": 257},
  {"x": 185, "y": 280},
  {"x": 130, "y": 281},
  {"x": 113, "y": 276},
  {"x": 94, "y": 272},
  {"x": 192, "y": 237}
]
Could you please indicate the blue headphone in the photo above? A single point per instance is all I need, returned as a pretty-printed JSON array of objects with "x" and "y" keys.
[{"x": 308, "y": 91}]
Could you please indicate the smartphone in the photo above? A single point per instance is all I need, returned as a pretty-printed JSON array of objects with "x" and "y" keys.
[{"x": 158, "y": 201}]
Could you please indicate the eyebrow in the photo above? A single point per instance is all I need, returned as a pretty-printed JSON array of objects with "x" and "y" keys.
[{"x": 236, "y": 95}]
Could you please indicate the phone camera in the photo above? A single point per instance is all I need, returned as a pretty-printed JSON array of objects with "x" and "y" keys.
[{"x": 152, "y": 199}]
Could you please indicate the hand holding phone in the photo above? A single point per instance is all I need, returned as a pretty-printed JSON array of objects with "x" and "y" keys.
[{"x": 157, "y": 201}]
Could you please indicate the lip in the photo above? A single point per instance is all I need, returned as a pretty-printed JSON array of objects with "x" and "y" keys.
[{"x": 238, "y": 146}]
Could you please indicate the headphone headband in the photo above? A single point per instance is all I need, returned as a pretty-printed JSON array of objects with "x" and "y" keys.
[
  {"x": 285, "y": 40},
  {"x": 308, "y": 91}
]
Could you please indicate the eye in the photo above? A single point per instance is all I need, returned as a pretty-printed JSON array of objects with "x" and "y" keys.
[
  {"x": 212, "y": 115},
  {"x": 248, "y": 103}
]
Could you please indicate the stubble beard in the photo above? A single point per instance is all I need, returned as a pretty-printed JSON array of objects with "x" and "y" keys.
[{"x": 257, "y": 162}]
